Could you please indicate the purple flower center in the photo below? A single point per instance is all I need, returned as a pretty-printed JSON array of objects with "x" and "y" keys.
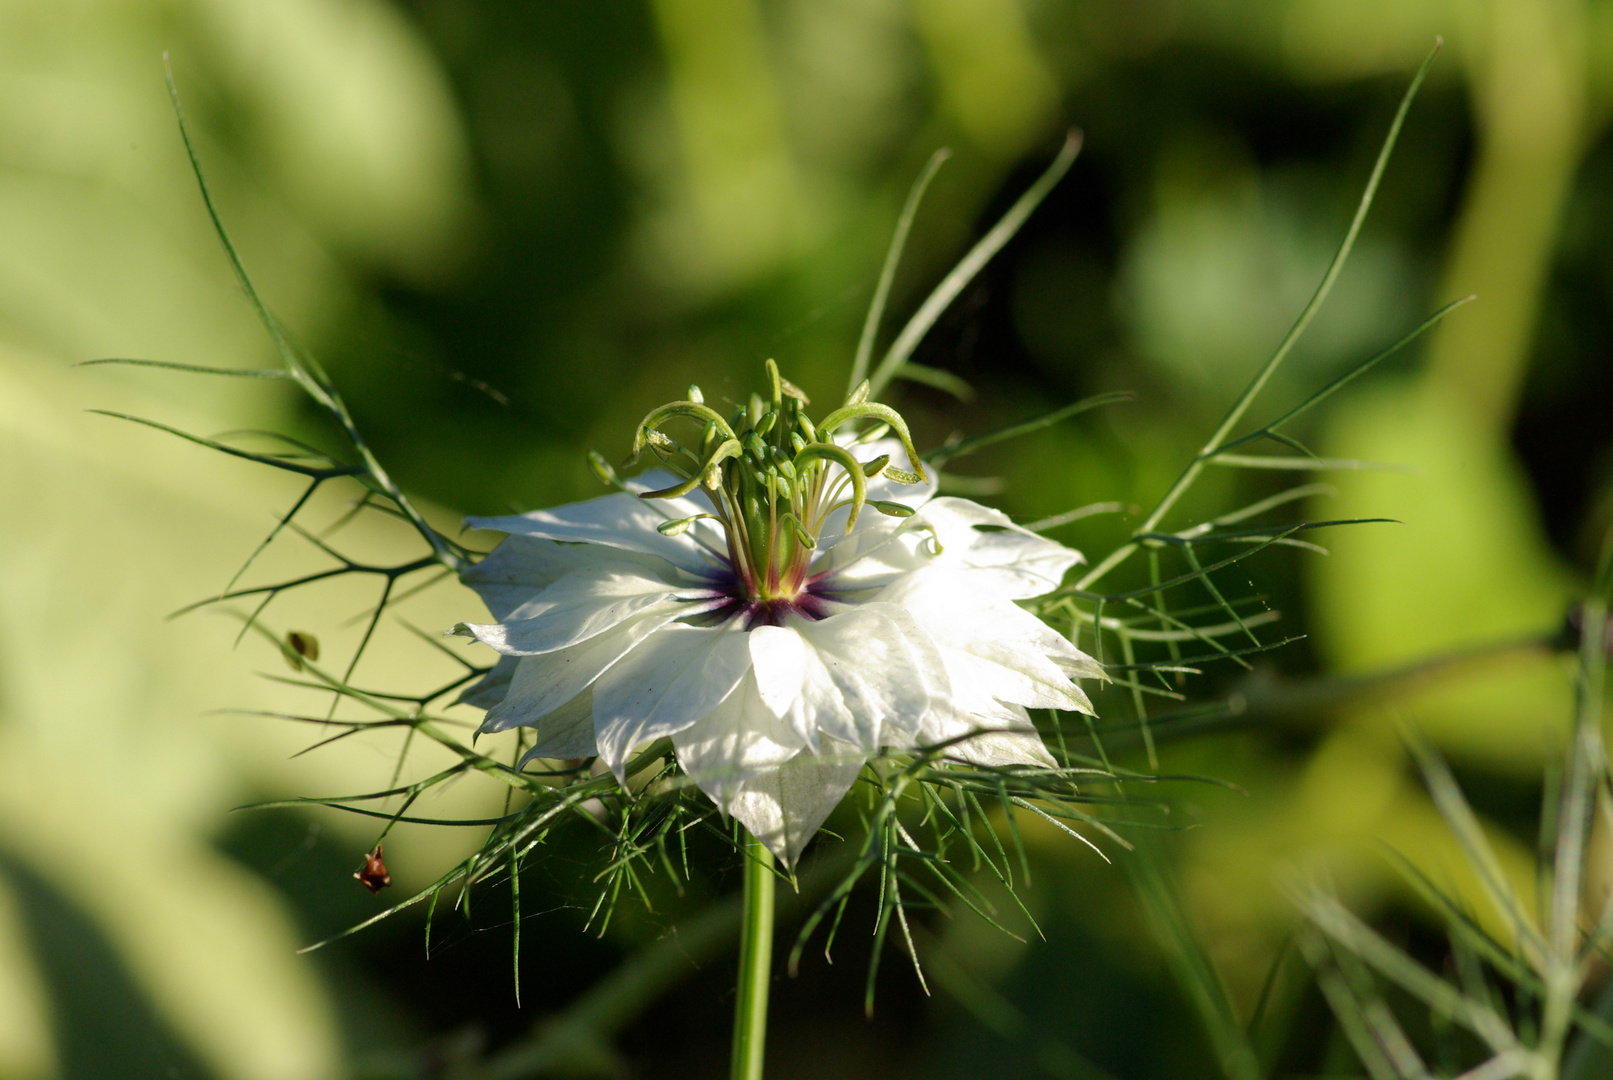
[{"x": 732, "y": 598}]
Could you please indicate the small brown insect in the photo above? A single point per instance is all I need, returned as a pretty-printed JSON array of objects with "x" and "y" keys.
[
  {"x": 373, "y": 874},
  {"x": 299, "y": 646}
]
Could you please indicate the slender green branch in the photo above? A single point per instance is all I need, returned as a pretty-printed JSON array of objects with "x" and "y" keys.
[
  {"x": 970, "y": 265},
  {"x": 887, "y": 274},
  {"x": 300, "y": 367},
  {"x": 1241, "y": 405}
]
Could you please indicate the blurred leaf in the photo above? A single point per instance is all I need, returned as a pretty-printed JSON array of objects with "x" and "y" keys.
[{"x": 1472, "y": 566}]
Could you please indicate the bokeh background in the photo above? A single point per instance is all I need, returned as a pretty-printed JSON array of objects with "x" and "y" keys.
[{"x": 509, "y": 228}]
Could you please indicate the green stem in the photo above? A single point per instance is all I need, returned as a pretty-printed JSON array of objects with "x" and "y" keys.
[{"x": 755, "y": 964}]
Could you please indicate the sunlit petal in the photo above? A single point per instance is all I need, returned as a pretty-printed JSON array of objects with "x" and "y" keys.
[
  {"x": 783, "y": 807},
  {"x": 579, "y": 606},
  {"x": 673, "y": 679},
  {"x": 541, "y": 684},
  {"x": 738, "y": 738},
  {"x": 613, "y": 521},
  {"x": 1012, "y": 561}
]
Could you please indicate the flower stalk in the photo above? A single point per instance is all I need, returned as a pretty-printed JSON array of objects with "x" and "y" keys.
[{"x": 755, "y": 963}]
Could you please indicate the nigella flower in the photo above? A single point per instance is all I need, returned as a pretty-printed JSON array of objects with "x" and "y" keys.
[{"x": 790, "y": 606}]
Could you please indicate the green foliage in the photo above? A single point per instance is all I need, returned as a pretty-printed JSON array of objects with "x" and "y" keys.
[{"x": 1519, "y": 997}]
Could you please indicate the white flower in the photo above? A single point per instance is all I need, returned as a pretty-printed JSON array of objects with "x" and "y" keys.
[{"x": 898, "y": 632}]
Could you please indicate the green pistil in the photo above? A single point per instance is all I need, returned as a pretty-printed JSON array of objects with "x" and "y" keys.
[{"x": 774, "y": 476}]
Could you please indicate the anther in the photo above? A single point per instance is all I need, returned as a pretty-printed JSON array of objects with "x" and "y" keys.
[
  {"x": 902, "y": 476},
  {"x": 602, "y": 469},
  {"x": 661, "y": 441},
  {"x": 681, "y": 525},
  {"x": 781, "y": 461},
  {"x": 806, "y": 539}
]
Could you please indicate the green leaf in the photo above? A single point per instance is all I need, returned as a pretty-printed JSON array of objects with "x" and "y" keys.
[
  {"x": 887, "y": 274},
  {"x": 943, "y": 454},
  {"x": 971, "y": 264}
]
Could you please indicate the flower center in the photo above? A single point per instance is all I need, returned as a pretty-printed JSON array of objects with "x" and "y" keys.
[{"x": 775, "y": 479}]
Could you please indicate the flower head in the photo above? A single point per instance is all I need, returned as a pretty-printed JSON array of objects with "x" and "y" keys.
[{"x": 782, "y": 604}]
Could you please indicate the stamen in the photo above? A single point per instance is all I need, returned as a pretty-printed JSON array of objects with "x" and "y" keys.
[
  {"x": 774, "y": 478},
  {"x": 679, "y": 526}
]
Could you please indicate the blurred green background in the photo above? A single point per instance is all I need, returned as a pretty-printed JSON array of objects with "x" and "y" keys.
[{"x": 509, "y": 228}]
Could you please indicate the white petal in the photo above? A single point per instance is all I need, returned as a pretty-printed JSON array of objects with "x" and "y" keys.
[
  {"x": 544, "y": 683},
  {"x": 733, "y": 742},
  {"x": 866, "y": 656},
  {"x": 928, "y": 665},
  {"x": 568, "y": 732},
  {"x": 998, "y": 748},
  {"x": 1080, "y": 666},
  {"x": 778, "y": 657},
  {"x": 1029, "y": 681},
  {"x": 491, "y": 688},
  {"x": 579, "y": 606},
  {"x": 783, "y": 807},
  {"x": 991, "y": 647},
  {"x": 1005, "y": 558},
  {"x": 993, "y": 735},
  {"x": 796, "y": 687},
  {"x": 677, "y": 676},
  {"x": 617, "y": 521},
  {"x": 878, "y": 552},
  {"x": 523, "y": 566}
]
